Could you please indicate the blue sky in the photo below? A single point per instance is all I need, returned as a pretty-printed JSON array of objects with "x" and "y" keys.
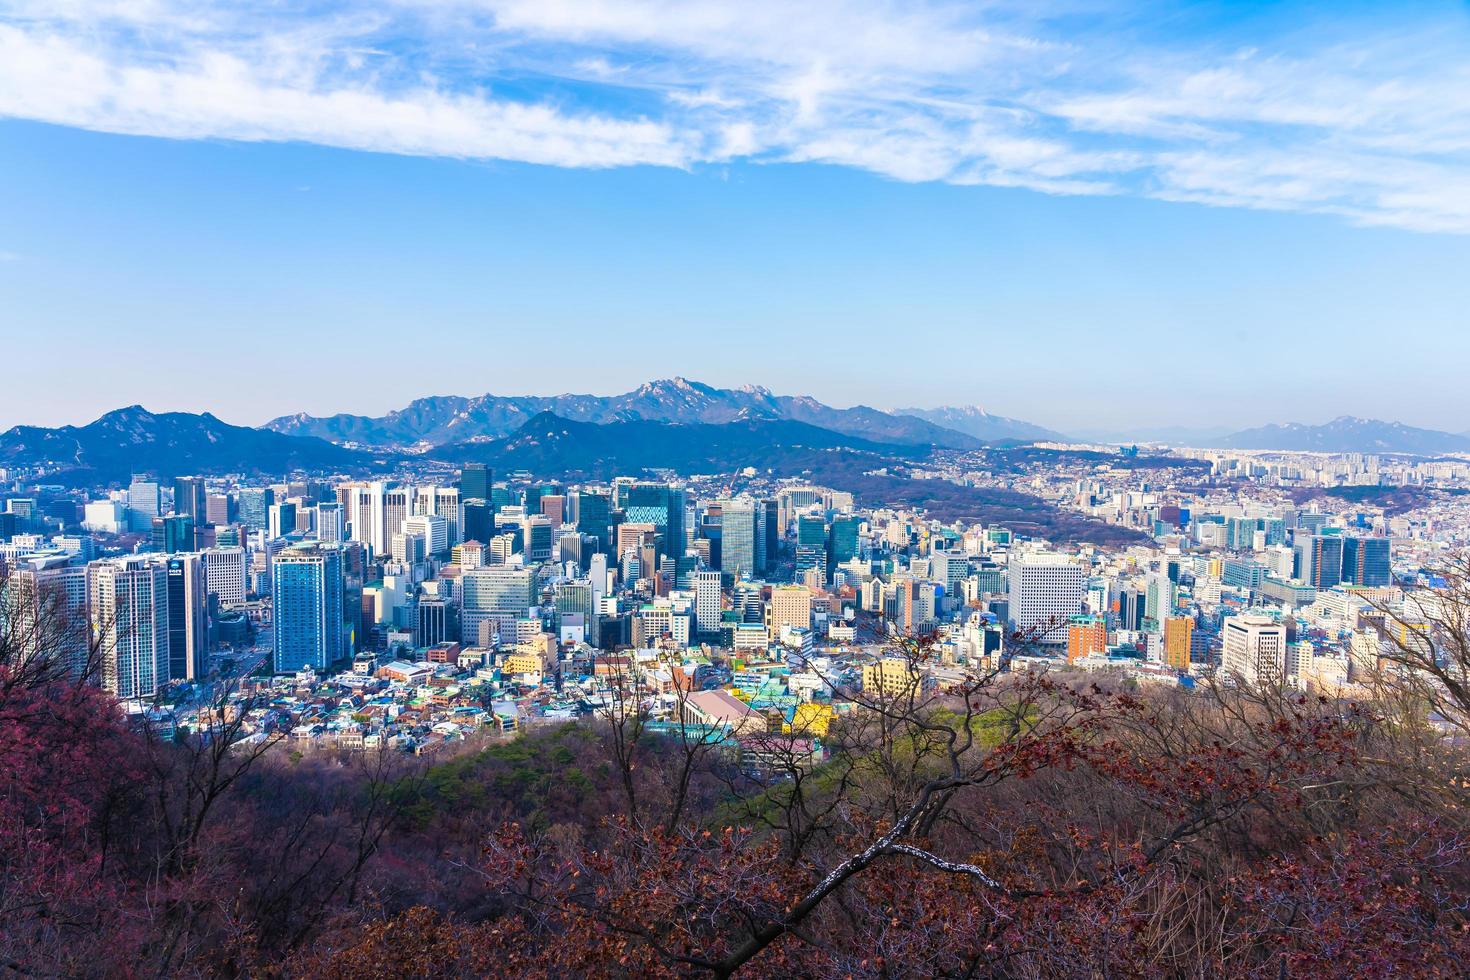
[{"x": 1083, "y": 214}]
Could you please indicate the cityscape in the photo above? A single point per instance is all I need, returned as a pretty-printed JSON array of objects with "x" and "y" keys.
[{"x": 624, "y": 488}]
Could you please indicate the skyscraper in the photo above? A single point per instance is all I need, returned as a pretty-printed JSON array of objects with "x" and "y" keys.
[
  {"x": 1178, "y": 640},
  {"x": 593, "y": 516},
  {"x": 1254, "y": 650},
  {"x": 367, "y": 515},
  {"x": 434, "y": 529},
  {"x": 308, "y": 601},
  {"x": 768, "y": 531},
  {"x": 842, "y": 540},
  {"x": 662, "y": 506},
  {"x": 189, "y": 497},
  {"x": 475, "y": 482},
  {"x": 128, "y": 599},
  {"x": 498, "y": 594},
  {"x": 1322, "y": 561},
  {"x": 144, "y": 503},
  {"x": 737, "y": 538},
  {"x": 1367, "y": 562},
  {"x": 707, "y": 601},
  {"x": 811, "y": 546},
  {"x": 225, "y": 574},
  {"x": 173, "y": 533},
  {"x": 280, "y": 520},
  {"x": 479, "y": 521},
  {"x": 219, "y": 508},
  {"x": 536, "y": 537},
  {"x": 188, "y": 628},
  {"x": 43, "y": 613},
  {"x": 331, "y": 524},
  {"x": 1045, "y": 592},
  {"x": 254, "y": 506}
]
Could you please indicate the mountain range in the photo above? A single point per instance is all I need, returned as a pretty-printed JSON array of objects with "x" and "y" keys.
[
  {"x": 135, "y": 440},
  {"x": 1346, "y": 434},
  {"x": 548, "y": 444},
  {"x": 448, "y": 419},
  {"x": 973, "y": 420}
]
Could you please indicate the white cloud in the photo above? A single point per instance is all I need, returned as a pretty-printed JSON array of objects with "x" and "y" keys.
[
  {"x": 1376, "y": 132},
  {"x": 222, "y": 95}
]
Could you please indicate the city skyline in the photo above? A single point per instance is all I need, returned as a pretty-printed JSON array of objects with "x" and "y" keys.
[
  {"x": 724, "y": 488},
  {"x": 1055, "y": 210}
]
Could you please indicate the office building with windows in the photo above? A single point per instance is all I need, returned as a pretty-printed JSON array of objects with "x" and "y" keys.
[{"x": 308, "y": 600}]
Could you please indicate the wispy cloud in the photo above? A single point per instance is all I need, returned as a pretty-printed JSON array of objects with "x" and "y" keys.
[{"x": 1375, "y": 129}]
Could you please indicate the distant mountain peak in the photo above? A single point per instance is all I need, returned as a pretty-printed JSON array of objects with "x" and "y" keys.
[
  {"x": 976, "y": 421},
  {"x": 126, "y": 413},
  {"x": 1347, "y": 434},
  {"x": 133, "y": 439},
  {"x": 675, "y": 399}
]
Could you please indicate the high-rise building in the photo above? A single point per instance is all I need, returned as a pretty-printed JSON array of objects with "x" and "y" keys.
[
  {"x": 1178, "y": 641},
  {"x": 768, "y": 532},
  {"x": 1159, "y": 598},
  {"x": 144, "y": 503},
  {"x": 254, "y": 506},
  {"x": 308, "y": 600},
  {"x": 433, "y": 621},
  {"x": 737, "y": 538},
  {"x": 43, "y": 613},
  {"x": 811, "y": 546},
  {"x": 433, "y": 529},
  {"x": 479, "y": 521},
  {"x": 475, "y": 482},
  {"x": 128, "y": 603},
  {"x": 536, "y": 538},
  {"x": 189, "y": 497},
  {"x": 1045, "y": 592},
  {"x": 226, "y": 574},
  {"x": 188, "y": 626},
  {"x": 443, "y": 502},
  {"x": 949, "y": 568},
  {"x": 554, "y": 507},
  {"x": 500, "y": 593},
  {"x": 662, "y": 506},
  {"x": 1086, "y": 636},
  {"x": 1254, "y": 650},
  {"x": 367, "y": 513},
  {"x": 593, "y": 517},
  {"x": 397, "y": 505},
  {"x": 407, "y": 549},
  {"x": 1320, "y": 560},
  {"x": 842, "y": 540},
  {"x": 219, "y": 508},
  {"x": 790, "y": 605},
  {"x": 447, "y": 504},
  {"x": 173, "y": 533},
  {"x": 280, "y": 520},
  {"x": 1367, "y": 562},
  {"x": 331, "y": 522},
  {"x": 707, "y": 601}
]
